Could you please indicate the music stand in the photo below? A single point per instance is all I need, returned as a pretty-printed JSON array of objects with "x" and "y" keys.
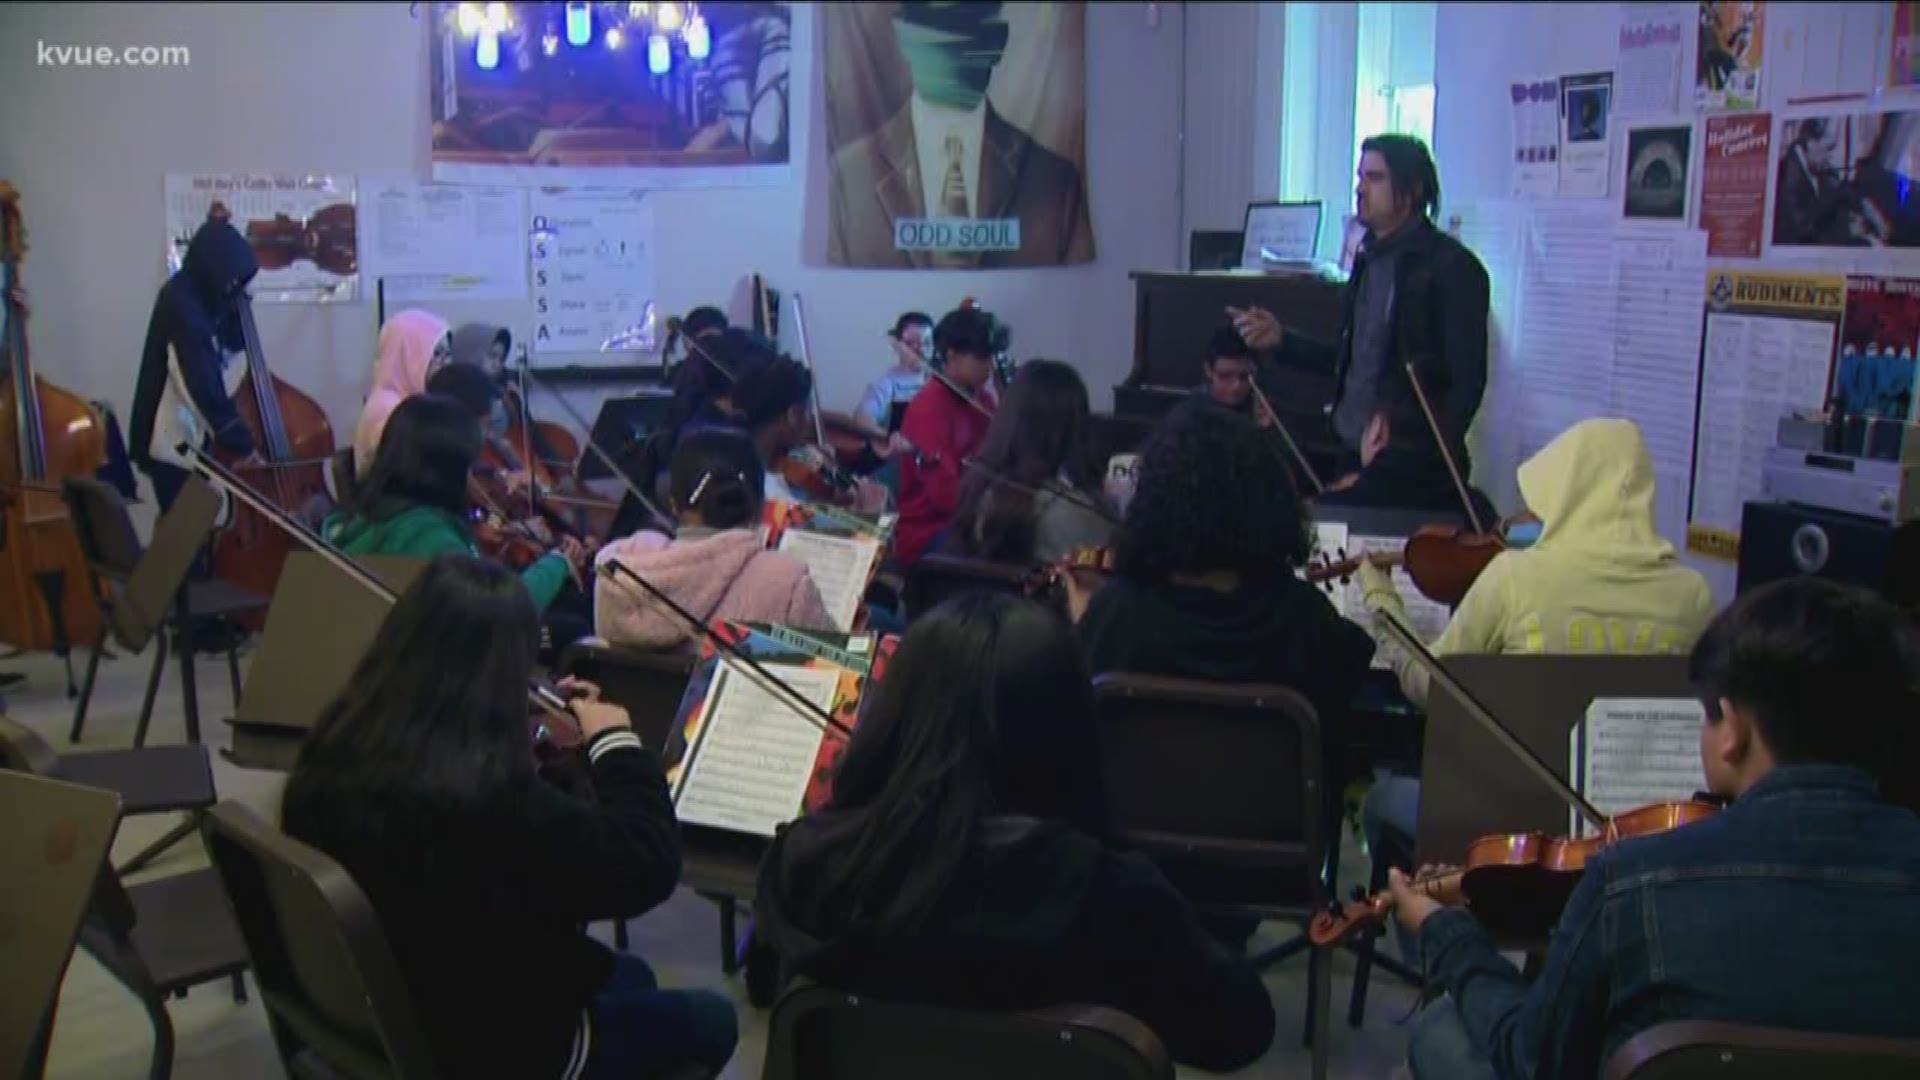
[
  {"x": 1472, "y": 786},
  {"x": 623, "y": 426},
  {"x": 52, "y": 852},
  {"x": 318, "y": 628}
]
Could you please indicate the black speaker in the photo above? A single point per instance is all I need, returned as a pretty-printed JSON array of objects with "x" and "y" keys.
[
  {"x": 622, "y": 426},
  {"x": 1781, "y": 540}
]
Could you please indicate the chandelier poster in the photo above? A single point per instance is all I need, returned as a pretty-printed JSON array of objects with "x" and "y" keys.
[
  {"x": 614, "y": 94},
  {"x": 956, "y": 134}
]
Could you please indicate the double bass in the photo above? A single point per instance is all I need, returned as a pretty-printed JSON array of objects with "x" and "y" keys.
[
  {"x": 47, "y": 434},
  {"x": 293, "y": 438}
]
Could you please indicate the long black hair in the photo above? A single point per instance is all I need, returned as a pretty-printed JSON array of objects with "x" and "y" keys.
[
  {"x": 428, "y": 448},
  {"x": 985, "y": 710},
  {"x": 717, "y": 473},
  {"x": 1040, "y": 434},
  {"x": 1211, "y": 495},
  {"x": 433, "y": 725}
]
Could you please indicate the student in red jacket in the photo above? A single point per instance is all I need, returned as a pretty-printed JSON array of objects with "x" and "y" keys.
[{"x": 945, "y": 429}]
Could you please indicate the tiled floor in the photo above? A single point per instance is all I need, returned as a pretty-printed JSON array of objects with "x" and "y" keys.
[{"x": 103, "y": 1033}]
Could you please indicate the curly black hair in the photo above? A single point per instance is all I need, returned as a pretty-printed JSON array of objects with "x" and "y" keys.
[{"x": 1211, "y": 495}]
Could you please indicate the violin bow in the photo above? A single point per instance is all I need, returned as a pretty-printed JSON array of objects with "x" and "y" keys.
[
  {"x": 758, "y": 673},
  {"x": 218, "y": 475},
  {"x": 1453, "y": 467},
  {"x": 806, "y": 360},
  {"x": 675, "y": 326},
  {"x": 1075, "y": 497},
  {"x": 606, "y": 459},
  {"x": 1415, "y": 649},
  {"x": 1286, "y": 436}
]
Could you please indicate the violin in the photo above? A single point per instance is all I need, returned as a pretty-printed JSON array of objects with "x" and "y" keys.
[
  {"x": 554, "y": 729},
  {"x": 1443, "y": 560},
  {"x": 1516, "y": 884}
]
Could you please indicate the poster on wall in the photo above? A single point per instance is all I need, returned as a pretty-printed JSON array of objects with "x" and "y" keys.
[
  {"x": 1844, "y": 181},
  {"x": 1733, "y": 184},
  {"x": 1536, "y": 138},
  {"x": 1767, "y": 351},
  {"x": 1658, "y": 176},
  {"x": 618, "y": 95},
  {"x": 428, "y": 242},
  {"x": 956, "y": 135},
  {"x": 1585, "y": 102},
  {"x": 1651, "y": 60},
  {"x": 1904, "y": 68},
  {"x": 592, "y": 258},
  {"x": 1727, "y": 64},
  {"x": 1874, "y": 376},
  {"x": 303, "y": 229}
]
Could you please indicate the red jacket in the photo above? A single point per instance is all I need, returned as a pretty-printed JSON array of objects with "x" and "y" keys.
[{"x": 947, "y": 431}]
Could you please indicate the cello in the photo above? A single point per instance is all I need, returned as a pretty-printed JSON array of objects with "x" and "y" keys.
[
  {"x": 292, "y": 435},
  {"x": 47, "y": 434}
]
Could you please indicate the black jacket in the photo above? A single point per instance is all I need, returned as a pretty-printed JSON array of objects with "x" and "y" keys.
[
  {"x": 1439, "y": 312},
  {"x": 485, "y": 916},
  {"x": 1284, "y": 631},
  {"x": 194, "y": 315},
  {"x": 1039, "y": 914}
]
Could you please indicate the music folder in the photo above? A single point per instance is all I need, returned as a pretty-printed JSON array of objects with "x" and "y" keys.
[{"x": 749, "y": 760}]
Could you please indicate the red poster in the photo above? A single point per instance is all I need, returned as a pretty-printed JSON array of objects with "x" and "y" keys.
[{"x": 1733, "y": 184}]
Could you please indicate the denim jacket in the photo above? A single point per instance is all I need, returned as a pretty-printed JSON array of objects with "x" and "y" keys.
[{"x": 1793, "y": 908}]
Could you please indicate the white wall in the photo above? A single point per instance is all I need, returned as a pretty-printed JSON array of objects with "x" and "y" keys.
[
  {"x": 341, "y": 88},
  {"x": 1810, "y": 50}
]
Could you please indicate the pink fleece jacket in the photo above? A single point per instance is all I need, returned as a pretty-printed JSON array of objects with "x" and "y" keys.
[{"x": 722, "y": 575}]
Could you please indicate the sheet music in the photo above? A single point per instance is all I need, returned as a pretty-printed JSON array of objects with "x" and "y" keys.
[
  {"x": 840, "y": 566},
  {"x": 755, "y": 753},
  {"x": 1638, "y": 751},
  {"x": 1333, "y": 541},
  {"x": 1563, "y": 360},
  {"x": 1659, "y": 287}
]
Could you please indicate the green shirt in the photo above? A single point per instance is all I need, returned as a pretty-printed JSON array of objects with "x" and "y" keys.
[{"x": 424, "y": 532}]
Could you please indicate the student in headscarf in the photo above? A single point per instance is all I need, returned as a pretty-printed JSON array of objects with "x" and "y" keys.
[
  {"x": 485, "y": 347},
  {"x": 413, "y": 344}
]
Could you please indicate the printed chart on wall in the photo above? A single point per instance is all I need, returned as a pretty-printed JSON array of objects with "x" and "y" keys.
[
  {"x": 427, "y": 242},
  {"x": 302, "y": 228},
  {"x": 1768, "y": 348},
  {"x": 1536, "y": 138},
  {"x": 1877, "y": 344},
  {"x": 592, "y": 260},
  {"x": 1727, "y": 68}
]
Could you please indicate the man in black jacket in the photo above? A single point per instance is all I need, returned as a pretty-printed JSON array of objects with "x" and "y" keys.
[
  {"x": 185, "y": 391},
  {"x": 1417, "y": 297}
]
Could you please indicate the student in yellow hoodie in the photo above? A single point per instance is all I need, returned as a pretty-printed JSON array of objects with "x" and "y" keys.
[{"x": 1598, "y": 580}]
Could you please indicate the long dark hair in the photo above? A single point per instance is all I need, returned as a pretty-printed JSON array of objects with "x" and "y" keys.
[
  {"x": 717, "y": 473},
  {"x": 1211, "y": 495},
  {"x": 429, "y": 445},
  {"x": 986, "y": 709},
  {"x": 433, "y": 725},
  {"x": 1040, "y": 434}
]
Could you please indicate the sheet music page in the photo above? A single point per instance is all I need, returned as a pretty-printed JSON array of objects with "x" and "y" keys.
[
  {"x": 755, "y": 754},
  {"x": 1640, "y": 751},
  {"x": 840, "y": 566},
  {"x": 1426, "y": 618},
  {"x": 1660, "y": 282},
  {"x": 1563, "y": 357}
]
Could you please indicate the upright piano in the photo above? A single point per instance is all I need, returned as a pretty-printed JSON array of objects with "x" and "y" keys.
[{"x": 1175, "y": 313}]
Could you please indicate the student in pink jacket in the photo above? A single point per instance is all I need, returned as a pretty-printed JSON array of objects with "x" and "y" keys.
[{"x": 717, "y": 567}]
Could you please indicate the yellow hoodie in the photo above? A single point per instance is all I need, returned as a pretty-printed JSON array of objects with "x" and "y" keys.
[{"x": 1599, "y": 580}]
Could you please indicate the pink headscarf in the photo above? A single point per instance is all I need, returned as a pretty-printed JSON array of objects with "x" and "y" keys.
[{"x": 400, "y": 372}]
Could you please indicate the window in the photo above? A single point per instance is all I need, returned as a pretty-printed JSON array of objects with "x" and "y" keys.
[{"x": 1351, "y": 71}]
